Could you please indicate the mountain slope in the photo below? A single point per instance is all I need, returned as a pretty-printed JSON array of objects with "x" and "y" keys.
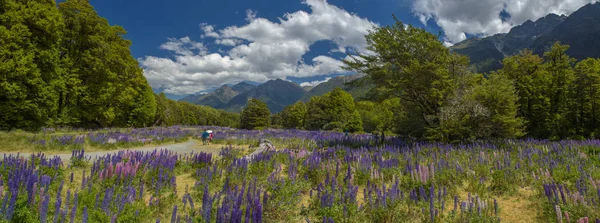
[
  {"x": 581, "y": 31},
  {"x": 339, "y": 81},
  {"x": 276, "y": 93},
  {"x": 487, "y": 53},
  {"x": 219, "y": 97},
  {"x": 192, "y": 98},
  {"x": 242, "y": 87}
]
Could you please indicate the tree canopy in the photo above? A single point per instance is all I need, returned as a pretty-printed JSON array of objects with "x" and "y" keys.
[
  {"x": 64, "y": 65},
  {"x": 255, "y": 115}
]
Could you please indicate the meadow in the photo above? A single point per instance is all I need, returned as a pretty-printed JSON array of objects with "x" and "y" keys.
[{"x": 313, "y": 176}]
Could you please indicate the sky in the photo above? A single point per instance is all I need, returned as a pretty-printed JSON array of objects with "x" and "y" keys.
[{"x": 192, "y": 46}]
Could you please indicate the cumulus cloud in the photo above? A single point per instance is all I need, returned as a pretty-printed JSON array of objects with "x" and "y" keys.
[
  {"x": 484, "y": 17},
  {"x": 209, "y": 31},
  {"x": 262, "y": 50},
  {"x": 183, "y": 46},
  {"x": 314, "y": 83},
  {"x": 228, "y": 42}
]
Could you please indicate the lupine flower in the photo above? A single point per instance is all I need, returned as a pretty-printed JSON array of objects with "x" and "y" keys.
[
  {"x": 44, "y": 209},
  {"x": 174, "y": 214},
  {"x": 84, "y": 217}
]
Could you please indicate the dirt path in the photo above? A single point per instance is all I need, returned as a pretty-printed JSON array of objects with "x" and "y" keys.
[{"x": 185, "y": 147}]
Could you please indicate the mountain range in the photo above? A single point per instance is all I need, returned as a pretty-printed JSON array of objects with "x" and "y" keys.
[
  {"x": 220, "y": 96},
  {"x": 276, "y": 93},
  {"x": 339, "y": 81},
  {"x": 580, "y": 30}
]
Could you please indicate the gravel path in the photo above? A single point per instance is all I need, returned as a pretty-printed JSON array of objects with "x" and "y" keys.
[{"x": 185, "y": 147}]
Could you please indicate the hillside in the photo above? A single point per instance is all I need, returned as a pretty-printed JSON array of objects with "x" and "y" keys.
[
  {"x": 339, "y": 81},
  {"x": 580, "y": 30},
  {"x": 219, "y": 97},
  {"x": 276, "y": 93}
]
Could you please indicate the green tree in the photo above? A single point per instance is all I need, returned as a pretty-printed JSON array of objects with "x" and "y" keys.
[
  {"x": 316, "y": 117},
  {"x": 375, "y": 116},
  {"x": 533, "y": 86},
  {"x": 293, "y": 116},
  {"x": 255, "y": 115},
  {"x": 354, "y": 123},
  {"x": 331, "y": 111},
  {"x": 409, "y": 63},
  {"x": 498, "y": 95},
  {"x": 340, "y": 106},
  {"x": 586, "y": 94},
  {"x": 484, "y": 108},
  {"x": 30, "y": 72},
  {"x": 112, "y": 90},
  {"x": 560, "y": 67}
]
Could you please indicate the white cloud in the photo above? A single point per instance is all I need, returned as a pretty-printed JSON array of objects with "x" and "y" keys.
[
  {"x": 482, "y": 17},
  {"x": 209, "y": 31},
  {"x": 314, "y": 83},
  {"x": 228, "y": 42},
  {"x": 183, "y": 46},
  {"x": 262, "y": 50},
  {"x": 250, "y": 15}
]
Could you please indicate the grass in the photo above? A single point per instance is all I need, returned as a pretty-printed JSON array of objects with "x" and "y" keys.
[{"x": 519, "y": 207}]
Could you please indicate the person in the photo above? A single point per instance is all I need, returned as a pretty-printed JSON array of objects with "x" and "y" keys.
[
  {"x": 205, "y": 137},
  {"x": 210, "y": 136}
]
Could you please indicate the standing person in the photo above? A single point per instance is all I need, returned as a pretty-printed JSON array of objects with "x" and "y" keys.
[
  {"x": 210, "y": 136},
  {"x": 205, "y": 137}
]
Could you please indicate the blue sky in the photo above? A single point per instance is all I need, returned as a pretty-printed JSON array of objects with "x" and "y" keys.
[
  {"x": 150, "y": 24},
  {"x": 189, "y": 46}
]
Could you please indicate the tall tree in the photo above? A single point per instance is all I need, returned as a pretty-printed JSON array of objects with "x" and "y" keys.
[
  {"x": 560, "y": 67},
  {"x": 532, "y": 84},
  {"x": 112, "y": 90},
  {"x": 498, "y": 95},
  {"x": 331, "y": 111},
  {"x": 255, "y": 115},
  {"x": 293, "y": 116},
  {"x": 586, "y": 95},
  {"x": 409, "y": 63},
  {"x": 30, "y": 73},
  {"x": 376, "y": 116}
]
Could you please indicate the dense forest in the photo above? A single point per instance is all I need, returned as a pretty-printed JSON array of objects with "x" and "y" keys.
[{"x": 64, "y": 65}]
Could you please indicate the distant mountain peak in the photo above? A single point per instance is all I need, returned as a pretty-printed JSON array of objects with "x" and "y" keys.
[
  {"x": 581, "y": 26},
  {"x": 276, "y": 93}
]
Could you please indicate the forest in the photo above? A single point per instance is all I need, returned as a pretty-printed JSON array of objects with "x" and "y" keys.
[{"x": 64, "y": 65}]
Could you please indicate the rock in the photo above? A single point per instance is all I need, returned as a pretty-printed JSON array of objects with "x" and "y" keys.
[{"x": 263, "y": 146}]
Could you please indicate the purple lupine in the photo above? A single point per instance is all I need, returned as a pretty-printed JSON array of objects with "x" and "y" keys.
[
  {"x": 431, "y": 200},
  {"x": 174, "y": 214},
  {"x": 84, "y": 217},
  {"x": 44, "y": 209},
  {"x": 57, "y": 208},
  {"x": 74, "y": 210},
  {"x": 11, "y": 206}
]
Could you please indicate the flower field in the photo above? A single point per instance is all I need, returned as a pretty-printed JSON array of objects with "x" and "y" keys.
[{"x": 311, "y": 177}]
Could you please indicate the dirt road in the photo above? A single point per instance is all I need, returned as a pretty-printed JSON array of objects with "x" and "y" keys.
[{"x": 185, "y": 147}]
